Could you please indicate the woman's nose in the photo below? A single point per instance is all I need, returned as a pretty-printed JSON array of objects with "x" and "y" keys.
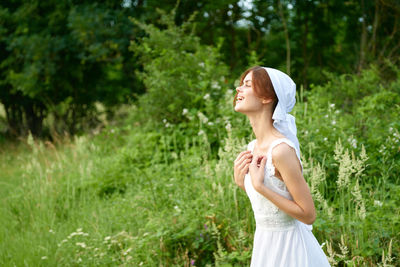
[{"x": 238, "y": 89}]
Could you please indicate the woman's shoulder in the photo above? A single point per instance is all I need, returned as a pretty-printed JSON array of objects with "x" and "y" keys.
[{"x": 284, "y": 152}]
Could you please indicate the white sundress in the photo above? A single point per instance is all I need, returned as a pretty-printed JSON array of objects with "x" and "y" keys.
[{"x": 279, "y": 239}]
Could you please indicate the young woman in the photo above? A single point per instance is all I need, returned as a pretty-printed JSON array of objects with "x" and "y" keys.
[{"x": 270, "y": 172}]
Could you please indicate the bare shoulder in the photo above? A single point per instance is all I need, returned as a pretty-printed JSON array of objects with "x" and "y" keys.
[
  {"x": 283, "y": 151},
  {"x": 284, "y": 155}
]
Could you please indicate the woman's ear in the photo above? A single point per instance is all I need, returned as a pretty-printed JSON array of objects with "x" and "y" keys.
[{"x": 266, "y": 100}]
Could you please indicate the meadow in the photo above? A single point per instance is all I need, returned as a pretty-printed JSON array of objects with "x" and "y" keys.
[{"x": 145, "y": 193}]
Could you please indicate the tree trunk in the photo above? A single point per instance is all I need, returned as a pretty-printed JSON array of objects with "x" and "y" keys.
[{"x": 285, "y": 28}]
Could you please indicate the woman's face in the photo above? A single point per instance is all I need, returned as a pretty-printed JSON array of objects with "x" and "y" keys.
[{"x": 247, "y": 101}]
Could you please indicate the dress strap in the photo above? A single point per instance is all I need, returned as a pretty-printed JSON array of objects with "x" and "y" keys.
[{"x": 251, "y": 145}]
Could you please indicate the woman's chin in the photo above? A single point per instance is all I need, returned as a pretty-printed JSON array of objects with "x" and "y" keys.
[{"x": 239, "y": 109}]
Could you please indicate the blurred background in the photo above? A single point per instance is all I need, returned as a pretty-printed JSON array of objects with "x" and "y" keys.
[
  {"x": 118, "y": 135},
  {"x": 65, "y": 62}
]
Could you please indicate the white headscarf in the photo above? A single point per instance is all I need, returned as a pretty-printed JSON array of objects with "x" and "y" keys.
[{"x": 285, "y": 90}]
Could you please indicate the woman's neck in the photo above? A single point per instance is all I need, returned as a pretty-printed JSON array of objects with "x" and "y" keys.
[{"x": 263, "y": 128}]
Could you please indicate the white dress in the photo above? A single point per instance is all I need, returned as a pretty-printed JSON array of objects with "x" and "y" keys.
[{"x": 280, "y": 240}]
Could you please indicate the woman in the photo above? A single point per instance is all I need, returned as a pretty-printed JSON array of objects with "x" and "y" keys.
[{"x": 279, "y": 195}]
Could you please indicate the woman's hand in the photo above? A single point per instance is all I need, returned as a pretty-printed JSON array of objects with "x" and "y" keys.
[
  {"x": 257, "y": 169},
  {"x": 241, "y": 167}
]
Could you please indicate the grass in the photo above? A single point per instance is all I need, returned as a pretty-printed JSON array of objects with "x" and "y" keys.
[{"x": 135, "y": 197}]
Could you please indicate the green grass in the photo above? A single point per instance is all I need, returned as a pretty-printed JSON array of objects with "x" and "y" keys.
[{"x": 137, "y": 198}]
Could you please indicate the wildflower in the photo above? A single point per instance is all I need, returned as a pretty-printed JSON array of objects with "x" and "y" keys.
[
  {"x": 44, "y": 258},
  {"x": 326, "y": 116},
  {"x": 325, "y": 139},
  {"x": 192, "y": 262},
  {"x": 201, "y": 64},
  {"x": 205, "y": 226},
  {"x": 185, "y": 111},
  {"x": 201, "y": 132},
  {"x": 206, "y": 96},
  {"x": 333, "y": 122},
  {"x": 215, "y": 85},
  {"x": 127, "y": 251},
  {"x": 112, "y": 131},
  {"x": 202, "y": 117},
  {"x": 377, "y": 203},
  {"x": 167, "y": 125},
  {"x": 210, "y": 123},
  {"x": 81, "y": 244},
  {"x": 51, "y": 231},
  {"x": 228, "y": 127},
  {"x": 107, "y": 238},
  {"x": 332, "y": 105},
  {"x": 164, "y": 120}
]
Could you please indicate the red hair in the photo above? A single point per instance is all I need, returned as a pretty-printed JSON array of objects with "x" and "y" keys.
[{"x": 261, "y": 83}]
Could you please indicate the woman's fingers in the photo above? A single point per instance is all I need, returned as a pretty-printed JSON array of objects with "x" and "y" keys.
[
  {"x": 242, "y": 157},
  {"x": 244, "y": 163},
  {"x": 259, "y": 161}
]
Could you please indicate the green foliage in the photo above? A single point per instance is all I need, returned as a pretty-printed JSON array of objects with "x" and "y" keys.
[
  {"x": 178, "y": 72},
  {"x": 360, "y": 110}
]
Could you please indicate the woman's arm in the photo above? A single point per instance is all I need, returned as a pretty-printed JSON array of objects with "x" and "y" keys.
[{"x": 288, "y": 165}]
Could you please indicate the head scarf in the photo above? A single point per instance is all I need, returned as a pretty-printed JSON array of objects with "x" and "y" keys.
[{"x": 285, "y": 90}]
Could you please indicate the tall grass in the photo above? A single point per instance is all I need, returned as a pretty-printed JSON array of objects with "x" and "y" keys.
[{"x": 141, "y": 198}]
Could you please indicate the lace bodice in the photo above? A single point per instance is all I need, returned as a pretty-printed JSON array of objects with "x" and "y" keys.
[{"x": 266, "y": 214}]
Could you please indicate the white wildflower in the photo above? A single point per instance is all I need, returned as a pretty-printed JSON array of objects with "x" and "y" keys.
[
  {"x": 206, "y": 96},
  {"x": 201, "y": 132},
  {"x": 44, "y": 258},
  {"x": 326, "y": 116},
  {"x": 164, "y": 120},
  {"x": 332, "y": 105},
  {"x": 210, "y": 123},
  {"x": 185, "y": 111},
  {"x": 81, "y": 244},
  {"x": 325, "y": 139},
  {"x": 215, "y": 85},
  {"x": 228, "y": 127},
  {"x": 203, "y": 118},
  {"x": 377, "y": 203},
  {"x": 167, "y": 125},
  {"x": 201, "y": 64},
  {"x": 127, "y": 251},
  {"x": 51, "y": 231},
  {"x": 333, "y": 122}
]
